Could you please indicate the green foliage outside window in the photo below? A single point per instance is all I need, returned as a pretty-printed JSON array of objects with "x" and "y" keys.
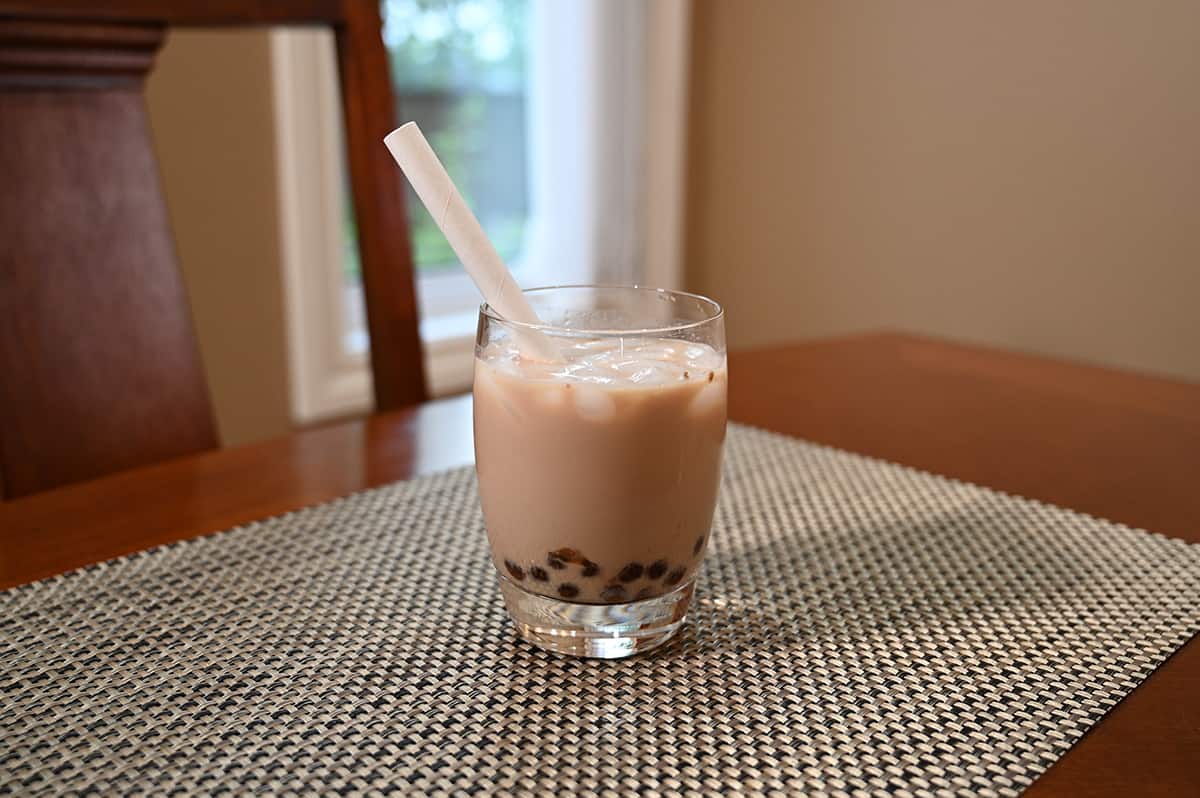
[{"x": 459, "y": 70}]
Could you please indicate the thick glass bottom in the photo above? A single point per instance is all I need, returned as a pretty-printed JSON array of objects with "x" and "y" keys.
[{"x": 606, "y": 631}]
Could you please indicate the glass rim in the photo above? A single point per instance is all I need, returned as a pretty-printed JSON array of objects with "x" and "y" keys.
[{"x": 717, "y": 312}]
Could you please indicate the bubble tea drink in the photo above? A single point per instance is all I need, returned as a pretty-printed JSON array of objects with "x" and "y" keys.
[{"x": 598, "y": 468}]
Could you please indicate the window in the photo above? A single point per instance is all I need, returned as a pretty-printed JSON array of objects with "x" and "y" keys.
[
  {"x": 560, "y": 120},
  {"x": 459, "y": 69}
]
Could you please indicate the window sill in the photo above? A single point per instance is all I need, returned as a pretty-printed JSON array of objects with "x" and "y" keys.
[{"x": 449, "y": 342}]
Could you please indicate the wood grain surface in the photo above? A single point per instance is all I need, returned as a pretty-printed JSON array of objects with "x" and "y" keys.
[
  {"x": 186, "y": 12},
  {"x": 1117, "y": 445},
  {"x": 99, "y": 369},
  {"x": 380, "y": 216}
]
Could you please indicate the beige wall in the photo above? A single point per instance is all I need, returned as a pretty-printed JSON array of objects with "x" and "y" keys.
[
  {"x": 211, "y": 113},
  {"x": 1025, "y": 174}
]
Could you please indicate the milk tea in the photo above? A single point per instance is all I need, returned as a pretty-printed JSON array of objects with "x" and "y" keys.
[{"x": 598, "y": 474}]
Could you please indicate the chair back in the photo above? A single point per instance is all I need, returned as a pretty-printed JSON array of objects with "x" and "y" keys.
[{"x": 99, "y": 366}]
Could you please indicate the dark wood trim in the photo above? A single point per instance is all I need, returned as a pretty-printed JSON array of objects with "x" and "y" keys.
[
  {"x": 48, "y": 54},
  {"x": 186, "y": 12},
  {"x": 99, "y": 368},
  {"x": 383, "y": 241}
]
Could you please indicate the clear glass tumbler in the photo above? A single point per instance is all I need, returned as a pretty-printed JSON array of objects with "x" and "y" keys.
[{"x": 598, "y": 468}]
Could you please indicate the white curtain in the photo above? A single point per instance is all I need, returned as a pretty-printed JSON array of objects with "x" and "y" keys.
[{"x": 587, "y": 140}]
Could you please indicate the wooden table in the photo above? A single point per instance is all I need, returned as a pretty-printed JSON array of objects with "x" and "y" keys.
[{"x": 1116, "y": 445}]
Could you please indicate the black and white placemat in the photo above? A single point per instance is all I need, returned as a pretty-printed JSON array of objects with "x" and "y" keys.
[{"x": 860, "y": 628}]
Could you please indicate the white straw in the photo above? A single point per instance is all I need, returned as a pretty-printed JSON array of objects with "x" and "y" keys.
[{"x": 467, "y": 238}]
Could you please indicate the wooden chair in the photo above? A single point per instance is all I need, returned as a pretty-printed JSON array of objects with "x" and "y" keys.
[{"x": 99, "y": 369}]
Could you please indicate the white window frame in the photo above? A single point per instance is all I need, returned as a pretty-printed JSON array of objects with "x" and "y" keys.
[
  {"x": 608, "y": 131},
  {"x": 326, "y": 379}
]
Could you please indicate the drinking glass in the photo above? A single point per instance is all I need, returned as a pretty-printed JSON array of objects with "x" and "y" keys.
[{"x": 599, "y": 467}]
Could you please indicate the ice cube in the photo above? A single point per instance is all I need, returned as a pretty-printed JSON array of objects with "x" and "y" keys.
[
  {"x": 710, "y": 399},
  {"x": 553, "y": 395},
  {"x": 593, "y": 403}
]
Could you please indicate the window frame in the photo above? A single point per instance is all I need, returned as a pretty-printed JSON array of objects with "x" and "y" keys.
[{"x": 645, "y": 138}]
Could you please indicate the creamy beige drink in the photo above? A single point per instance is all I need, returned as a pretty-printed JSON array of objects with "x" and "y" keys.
[
  {"x": 599, "y": 422},
  {"x": 598, "y": 474}
]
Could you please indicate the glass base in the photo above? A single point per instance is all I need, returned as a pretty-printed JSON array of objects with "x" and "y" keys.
[{"x": 606, "y": 631}]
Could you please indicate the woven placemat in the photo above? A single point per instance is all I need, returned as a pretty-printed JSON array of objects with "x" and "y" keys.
[{"x": 861, "y": 628}]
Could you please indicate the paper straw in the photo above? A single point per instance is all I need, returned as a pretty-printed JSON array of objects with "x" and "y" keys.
[{"x": 468, "y": 240}]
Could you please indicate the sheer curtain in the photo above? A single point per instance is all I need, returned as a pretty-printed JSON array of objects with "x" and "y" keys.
[{"x": 587, "y": 113}]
